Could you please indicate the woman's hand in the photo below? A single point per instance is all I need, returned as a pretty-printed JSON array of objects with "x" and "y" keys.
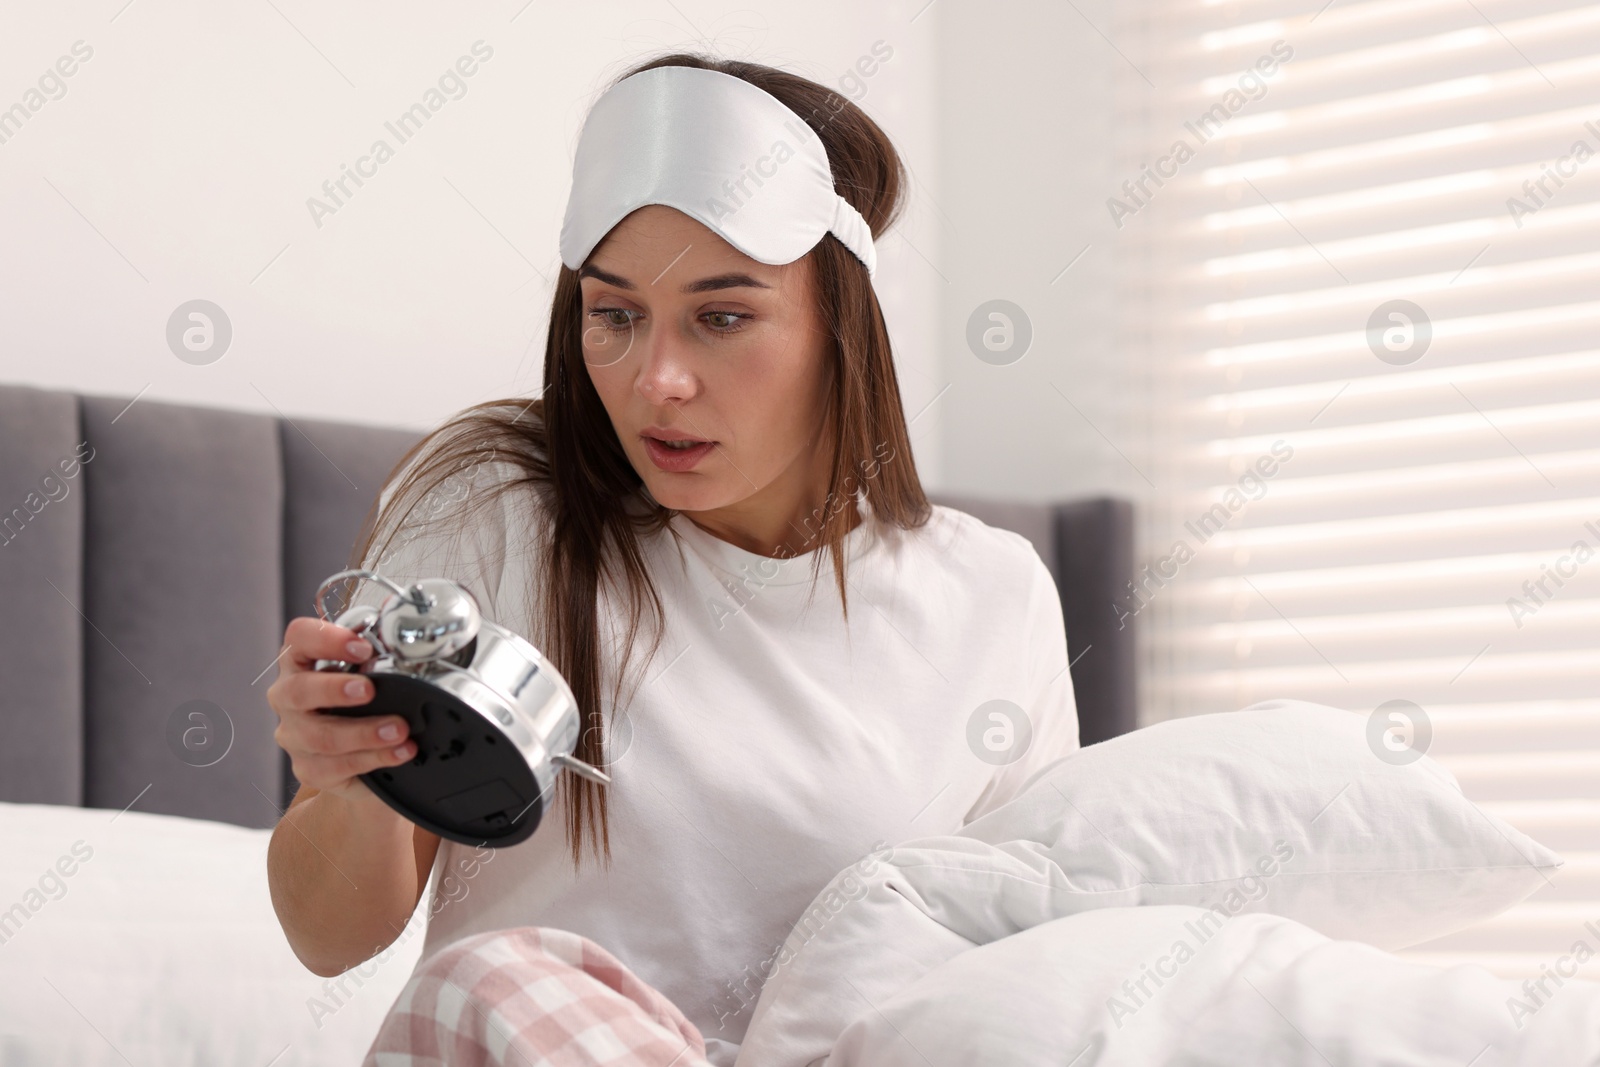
[{"x": 328, "y": 752}]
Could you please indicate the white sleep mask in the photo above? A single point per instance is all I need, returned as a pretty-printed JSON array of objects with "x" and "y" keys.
[{"x": 718, "y": 149}]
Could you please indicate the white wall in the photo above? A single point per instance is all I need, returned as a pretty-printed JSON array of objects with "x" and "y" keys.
[
  {"x": 179, "y": 162},
  {"x": 1026, "y": 160}
]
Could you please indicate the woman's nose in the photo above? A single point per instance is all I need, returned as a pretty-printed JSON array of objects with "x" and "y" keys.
[{"x": 665, "y": 373}]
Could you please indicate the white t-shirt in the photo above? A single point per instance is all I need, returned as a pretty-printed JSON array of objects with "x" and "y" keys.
[{"x": 767, "y": 747}]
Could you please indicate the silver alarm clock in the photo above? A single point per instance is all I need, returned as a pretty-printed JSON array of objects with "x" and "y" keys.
[{"x": 493, "y": 721}]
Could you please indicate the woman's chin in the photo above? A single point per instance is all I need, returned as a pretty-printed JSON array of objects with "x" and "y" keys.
[{"x": 687, "y": 492}]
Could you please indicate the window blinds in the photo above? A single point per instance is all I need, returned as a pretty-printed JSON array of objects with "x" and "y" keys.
[{"x": 1360, "y": 253}]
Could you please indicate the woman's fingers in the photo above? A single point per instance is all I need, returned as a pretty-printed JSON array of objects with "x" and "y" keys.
[
  {"x": 326, "y": 773},
  {"x": 310, "y": 639},
  {"x": 319, "y": 734},
  {"x": 327, "y": 751},
  {"x": 309, "y": 690}
]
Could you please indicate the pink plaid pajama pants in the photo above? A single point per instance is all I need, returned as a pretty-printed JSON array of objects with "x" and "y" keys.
[{"x": 532, "y": 997}]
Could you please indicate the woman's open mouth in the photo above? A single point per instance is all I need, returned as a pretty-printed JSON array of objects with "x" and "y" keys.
[{"x": 676, "y": 454}]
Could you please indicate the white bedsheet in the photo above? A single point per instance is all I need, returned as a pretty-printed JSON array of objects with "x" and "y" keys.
[{"x": 161, "y": 947}]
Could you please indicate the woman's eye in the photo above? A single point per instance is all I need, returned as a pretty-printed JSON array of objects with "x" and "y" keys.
[
  {"x": 725, "y": 321},
  {"x": 613, "y": 319}
]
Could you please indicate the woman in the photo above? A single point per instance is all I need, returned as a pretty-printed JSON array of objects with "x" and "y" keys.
[{"x": 716, "y": 473}]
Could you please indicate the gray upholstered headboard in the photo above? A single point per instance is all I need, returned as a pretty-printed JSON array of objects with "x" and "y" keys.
[{"x": 151, "y": 555}]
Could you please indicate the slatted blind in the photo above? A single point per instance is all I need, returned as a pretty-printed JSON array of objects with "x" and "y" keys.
[{"x": 1443, "y": 467}]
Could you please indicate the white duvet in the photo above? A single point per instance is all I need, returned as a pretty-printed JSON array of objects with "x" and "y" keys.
[
  {"x": 1154, "y": 985},
  {"x": 1168, "y": 898}
]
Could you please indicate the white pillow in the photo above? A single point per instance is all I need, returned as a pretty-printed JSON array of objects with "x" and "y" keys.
[
  {"x": 1283, "y": 808},
  {"x": 152, "y": 937}
]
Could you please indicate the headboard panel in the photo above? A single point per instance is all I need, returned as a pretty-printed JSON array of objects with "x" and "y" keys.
[
  {"x": 41, "y": 568},
  {"x": 183, "y": 540}
]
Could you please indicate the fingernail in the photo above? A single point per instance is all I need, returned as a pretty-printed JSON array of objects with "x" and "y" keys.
[
  {"x": 358, "y": 650},
  {"x": 403, "y": 751},
  {"x": 389, "y": 732},
  {"x": 356, "y": 687}
]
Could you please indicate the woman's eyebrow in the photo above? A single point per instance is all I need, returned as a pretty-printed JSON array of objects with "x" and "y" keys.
[
  {"x": 733, "y": 280},
  {"x": 589, "y": 270},
  {"x": 724, "y": 281}
]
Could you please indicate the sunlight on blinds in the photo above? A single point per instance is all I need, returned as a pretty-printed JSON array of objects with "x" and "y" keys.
[{"x": 1364, "y": 244}]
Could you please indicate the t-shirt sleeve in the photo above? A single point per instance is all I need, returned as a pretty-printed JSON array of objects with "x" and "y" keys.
[{"x": 1048, "y": 701}]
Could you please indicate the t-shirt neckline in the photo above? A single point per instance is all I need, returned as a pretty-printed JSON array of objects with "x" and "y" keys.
[{"x": 736, "y": 562}]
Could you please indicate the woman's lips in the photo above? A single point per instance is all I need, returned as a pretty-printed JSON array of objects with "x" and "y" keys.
[{"x": 676, "y": 460}]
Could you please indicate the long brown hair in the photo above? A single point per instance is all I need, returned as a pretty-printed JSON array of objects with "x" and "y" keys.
[{"x": 567, "y": 452}]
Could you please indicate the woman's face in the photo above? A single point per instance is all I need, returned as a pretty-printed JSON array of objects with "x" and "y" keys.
[{"x": 688, "y": 339}]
